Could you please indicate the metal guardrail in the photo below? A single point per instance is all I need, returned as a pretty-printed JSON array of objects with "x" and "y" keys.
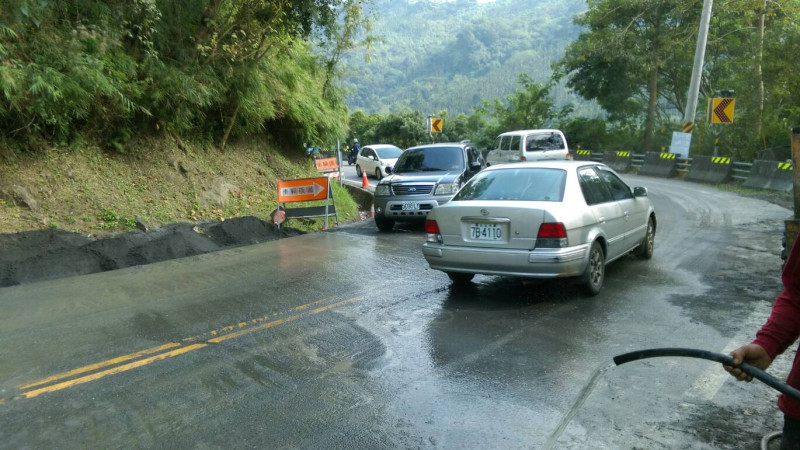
[{"x": 741, "y": 170}]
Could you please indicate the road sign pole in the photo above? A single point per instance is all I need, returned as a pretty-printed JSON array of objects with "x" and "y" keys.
[
  {"x": 717, "y": 133},
  {"x": 341, "y": 161},
  {"x": 327, "y": 203}
]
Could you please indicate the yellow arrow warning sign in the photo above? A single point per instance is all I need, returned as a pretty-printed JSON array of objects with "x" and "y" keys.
[
  {"x": 722, "y": 110},
  {"x": 436, "y": 125}
]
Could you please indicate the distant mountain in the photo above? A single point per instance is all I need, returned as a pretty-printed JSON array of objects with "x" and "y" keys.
[{"x": 435, "y": 55}]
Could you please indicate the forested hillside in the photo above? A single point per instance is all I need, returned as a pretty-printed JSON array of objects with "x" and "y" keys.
[
  {"x": 210, "y": 69},
  {"x": 432, "y": 56}
]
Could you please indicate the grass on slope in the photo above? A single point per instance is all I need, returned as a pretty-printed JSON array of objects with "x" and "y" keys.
[{"x": 87, "y": 190}]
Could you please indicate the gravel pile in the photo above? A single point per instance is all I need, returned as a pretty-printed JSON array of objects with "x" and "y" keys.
[{"x": 48, "y": 254}]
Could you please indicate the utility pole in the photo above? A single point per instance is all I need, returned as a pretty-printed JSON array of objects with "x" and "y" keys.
[{"x": 697, "y": 69}]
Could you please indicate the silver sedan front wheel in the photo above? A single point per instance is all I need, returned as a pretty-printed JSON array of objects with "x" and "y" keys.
[{"x": 645, "y": 249}]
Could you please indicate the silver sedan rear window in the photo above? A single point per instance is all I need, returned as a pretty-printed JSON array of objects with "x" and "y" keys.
[{"x": 524, "y": 184}]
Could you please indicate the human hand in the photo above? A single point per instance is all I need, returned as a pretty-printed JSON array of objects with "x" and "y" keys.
[{"x": 752, "y": 354}]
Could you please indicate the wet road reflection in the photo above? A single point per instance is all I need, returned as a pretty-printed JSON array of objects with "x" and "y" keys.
[{"x": 346, "y": 339}]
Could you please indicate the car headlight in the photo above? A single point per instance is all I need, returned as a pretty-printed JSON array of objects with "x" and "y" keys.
[
  {"x": 446, "y": 189},
  {"x": 382, "y": 189}
]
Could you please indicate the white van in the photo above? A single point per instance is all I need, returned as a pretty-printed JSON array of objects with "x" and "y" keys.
[{"x": 528, "y": 145}]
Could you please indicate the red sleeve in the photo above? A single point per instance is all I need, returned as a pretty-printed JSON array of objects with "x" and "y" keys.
[{"x": 783, "y": 326}]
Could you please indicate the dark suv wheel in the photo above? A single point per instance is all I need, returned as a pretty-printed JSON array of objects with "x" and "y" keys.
[{"x": 384, "y": 224}]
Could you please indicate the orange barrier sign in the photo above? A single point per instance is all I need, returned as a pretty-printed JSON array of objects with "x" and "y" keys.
[
  {"x": 327, "y": 164},
  {"x": 303, "y": 190}
]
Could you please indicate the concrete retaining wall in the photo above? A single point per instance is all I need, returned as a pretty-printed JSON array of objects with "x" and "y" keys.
[
  {"x": 664, "y": 165},
  {"x": 619, "y": 161},
  {"x": 582, "y": 155},
  {"x": 710, "y": 169},
  {"x": 776, "y": 176}
]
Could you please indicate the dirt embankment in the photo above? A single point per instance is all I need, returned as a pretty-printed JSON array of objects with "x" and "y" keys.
[
  {"x": 66, "y": 212},
  {"x": 48, "y": 254}
]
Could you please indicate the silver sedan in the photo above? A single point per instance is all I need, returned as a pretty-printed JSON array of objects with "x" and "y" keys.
[{"x": 540, "y": 220}]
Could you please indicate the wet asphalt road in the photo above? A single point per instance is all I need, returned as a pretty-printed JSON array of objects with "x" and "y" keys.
[{"x": 345, "y": 339}]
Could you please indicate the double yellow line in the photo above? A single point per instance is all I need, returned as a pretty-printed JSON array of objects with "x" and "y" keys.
[{"x": 141, "y": 358}]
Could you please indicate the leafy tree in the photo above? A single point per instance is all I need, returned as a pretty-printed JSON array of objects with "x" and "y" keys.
[
  {"x": 529, "y": 107},
  {"x": 630, "y": 48},
  {"x": 751, "y": 43},
  {"x": 213, "y": 68},
  {"x": 404, "y": 129}
]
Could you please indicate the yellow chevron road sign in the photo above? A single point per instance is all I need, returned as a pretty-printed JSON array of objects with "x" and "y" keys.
[{"x": 722, "y": 110}]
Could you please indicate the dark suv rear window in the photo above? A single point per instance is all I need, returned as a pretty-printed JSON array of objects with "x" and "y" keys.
[{"x": 430, "y": 159}]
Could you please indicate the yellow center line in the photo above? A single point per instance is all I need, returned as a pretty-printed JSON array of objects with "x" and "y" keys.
[
  {"x": 175, "y": 352},
  {"x": 309, "y": 305},
  {"x": 106, "y": 363},
  {"x": 112, "y": 371},
  {"x": 264, "y": 326},
  {"x": 257, "y": 320}
]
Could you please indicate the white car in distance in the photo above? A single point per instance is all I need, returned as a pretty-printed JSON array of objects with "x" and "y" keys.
[{"x": 377, "y": 160}]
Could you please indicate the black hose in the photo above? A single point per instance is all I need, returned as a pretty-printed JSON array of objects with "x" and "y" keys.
[{"x": 754, "y": 372}]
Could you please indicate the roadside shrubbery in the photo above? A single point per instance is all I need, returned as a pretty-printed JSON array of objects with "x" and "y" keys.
[{"x": 212, "y": 71}]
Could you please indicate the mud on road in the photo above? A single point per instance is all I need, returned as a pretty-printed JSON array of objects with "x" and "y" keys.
[{"x": 39, "y": 255}]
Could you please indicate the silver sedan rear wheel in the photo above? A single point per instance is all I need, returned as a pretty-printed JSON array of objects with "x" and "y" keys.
[
  {"x": 460, "y": 278},
  {"x": 595, "y": 270}
]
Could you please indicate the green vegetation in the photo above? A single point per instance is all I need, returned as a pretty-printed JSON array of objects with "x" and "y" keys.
[
  {"x": 635, "y": 59},
  {"x": 145, "y": 108},
  {"x": 620, "y": 70},
  {"x": 92, "y": 191},
  {"x": 112, "y": 110},
  {"x": 213, "y": 70},
  {"x": 453, "y": 55}
]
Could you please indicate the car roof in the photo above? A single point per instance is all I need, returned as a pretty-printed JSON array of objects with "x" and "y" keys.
[
  {"x": 441, "y": 144},
  {"x": 376, "y": 146},
  {"x": 547, "y": 164},
  {"x": 541, "y": 130}
]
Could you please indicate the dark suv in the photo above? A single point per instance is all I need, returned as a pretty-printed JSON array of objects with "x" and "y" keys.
[{"x": 423, "y": 177}]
